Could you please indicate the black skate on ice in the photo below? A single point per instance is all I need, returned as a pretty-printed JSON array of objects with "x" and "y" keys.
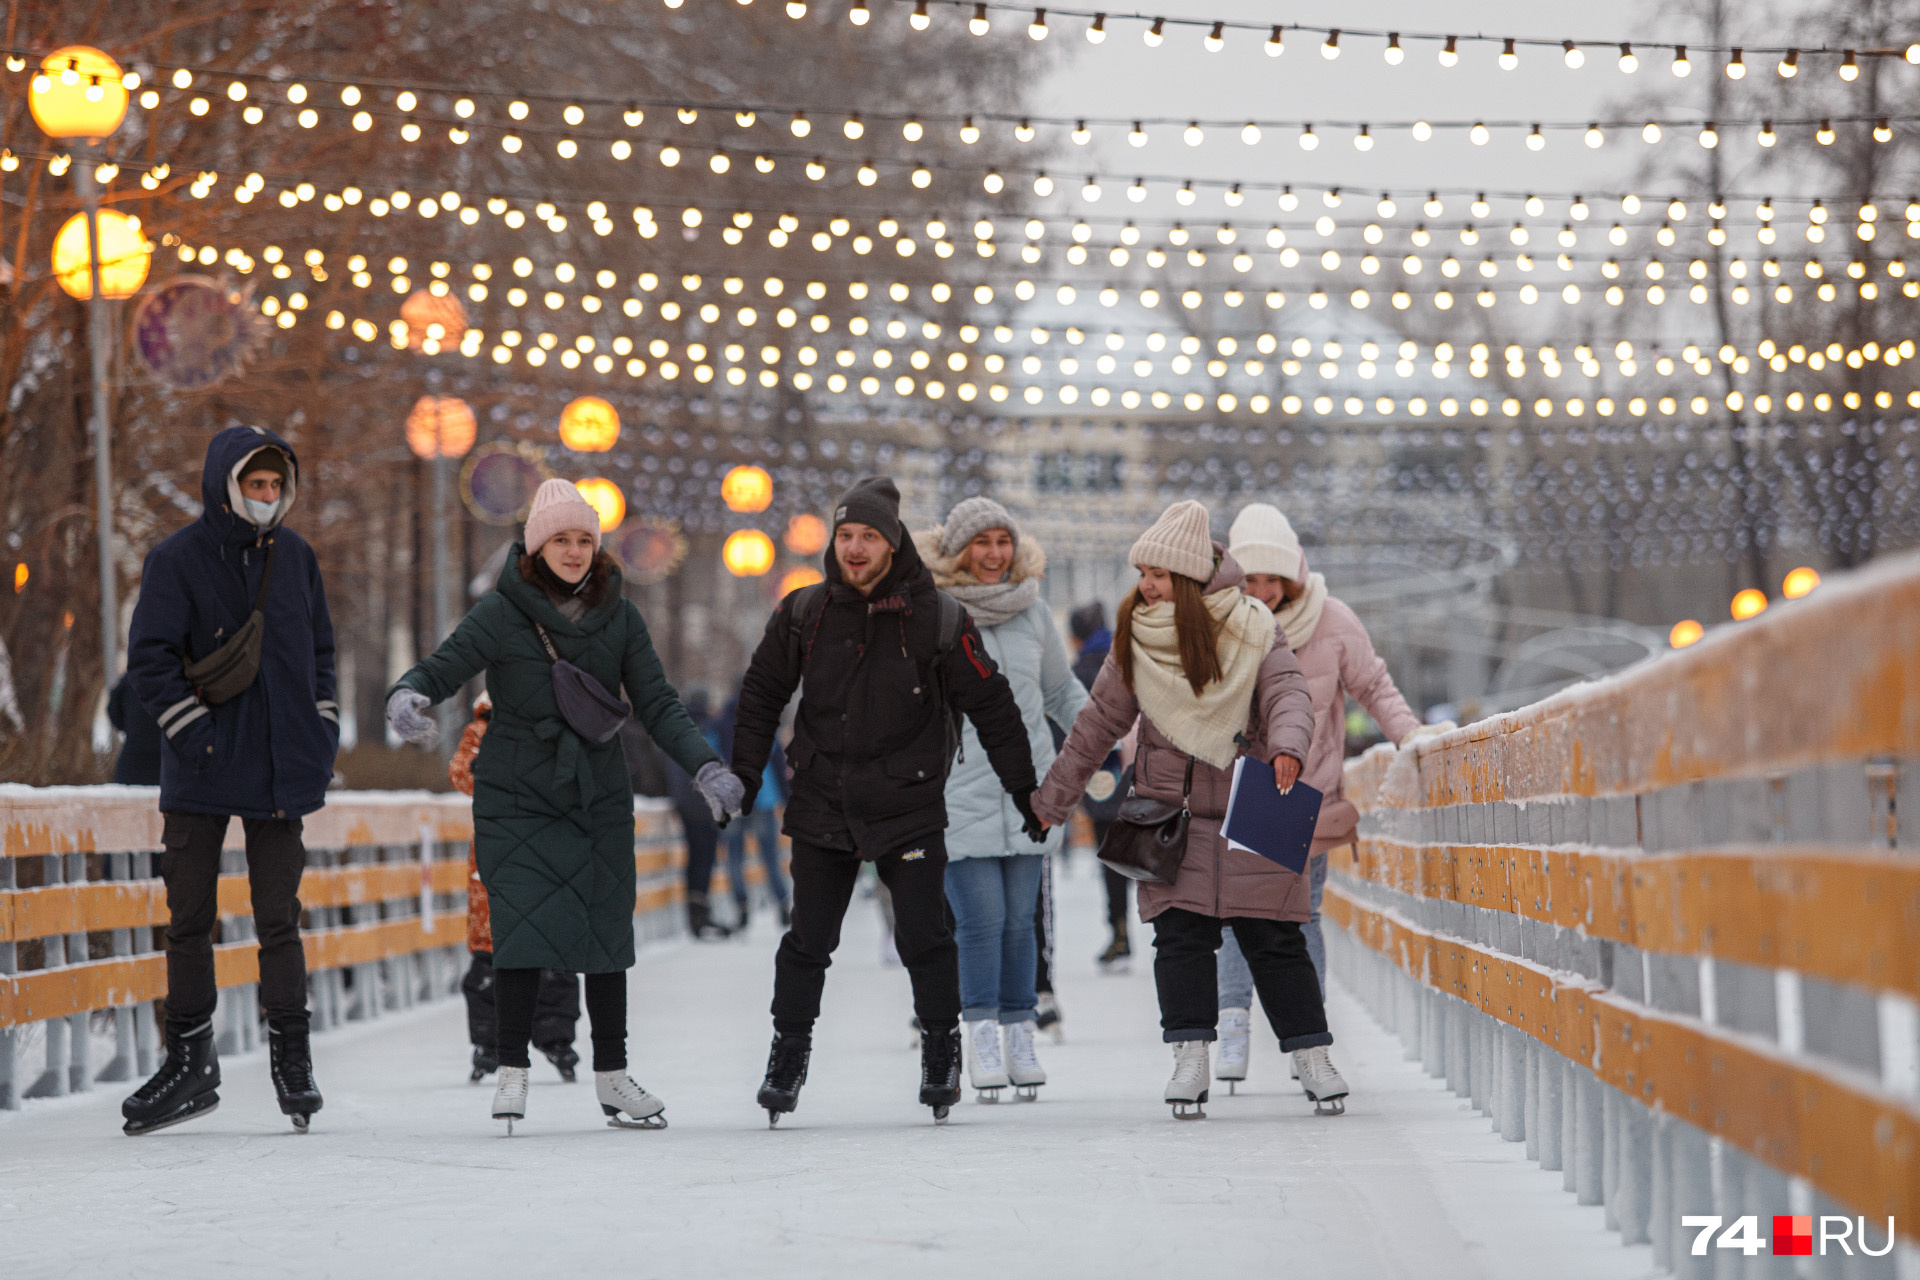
[
  {"x": 786, "y": 1072},
  {"x": 291, "y": 1060},
  {"x": 563, "y": 1058},
  {"x": 940, "y": 1072},
  {"x": 185, "y": 1086},
  {"x": 485, "y": 1063}
]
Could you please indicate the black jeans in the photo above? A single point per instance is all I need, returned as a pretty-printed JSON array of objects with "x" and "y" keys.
[
  {"x": 518, "y": 993},
  {"x": 1184, "y": 972},
  {"x": 703, "y": 844},
  {"x": 823, "y": 881},
  {"x": 556, "y": 1011},
  {"x": 190, "y": 865}
]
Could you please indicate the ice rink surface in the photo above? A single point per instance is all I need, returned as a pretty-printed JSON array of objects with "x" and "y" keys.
[{"x": 405, "y": 1174}]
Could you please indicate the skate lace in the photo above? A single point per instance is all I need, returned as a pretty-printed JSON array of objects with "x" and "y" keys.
[
  {"x": 1020, "y": 1047},
  {"x": 1317, "y": 1061},
  {"x": 629, "y": 1090},
  {"x": 940, "y": 1058},
  {"x": 292, "y": 1070},
  {"x": 986, "y": 1044},
  {"x": 787, "y": 1064},
  {"x": 1190, "y": 1060}
]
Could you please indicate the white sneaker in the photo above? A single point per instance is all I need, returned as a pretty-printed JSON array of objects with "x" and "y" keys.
[
  {"x": 510, "y": 1097},
  {"x": 1023, "y": 1064},
  {"x": 1320, "y": 1081},
  {"x": 986, "y": 1068},
  {"x": 1235, "y": 1033},
  {"x": 619, "y": 1095},
  {"x": 1188, "y": 1087}
]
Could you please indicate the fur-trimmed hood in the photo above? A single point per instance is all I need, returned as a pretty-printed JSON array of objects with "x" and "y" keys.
[{"x": 1029, "y": 560}]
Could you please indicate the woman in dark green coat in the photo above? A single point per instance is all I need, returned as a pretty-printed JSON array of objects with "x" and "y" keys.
[{"x": 552, "y": 810}]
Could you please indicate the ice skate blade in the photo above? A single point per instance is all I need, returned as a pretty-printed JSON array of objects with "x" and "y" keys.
[
  {"x": 300, "y": 1123},
  {"x": 991, "y": 1094},
  {"x": 651, "y": 1122},
  {"x": 773, "y": 1118},
  {"x": 192, "y": 1111},
  {"x": 1232, "y": 1089},
  {"x": 1330, "y": 1106},
  {"x": 1027, "y": 1092},
  {"x": 1188, "y": 1111},
  {"x": 509, "y": 1120},
  {"x": 940, "y": 1115}
]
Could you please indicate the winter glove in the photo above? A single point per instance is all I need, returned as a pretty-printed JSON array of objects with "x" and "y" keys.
[
  {"x": 1428, "y": 731},
  {"x": 750, "y": 788},
  {"x": 404, "y": 715},
  {"x": 1030, "y": 823},
  {"x": 721, "y": 789}
]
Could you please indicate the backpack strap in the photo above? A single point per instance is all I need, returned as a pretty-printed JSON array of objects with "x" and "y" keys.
[
  {"x": 803, "y": 619},
  {"x": 952, "y": 624},
  {"x": 953, "y": 620}
]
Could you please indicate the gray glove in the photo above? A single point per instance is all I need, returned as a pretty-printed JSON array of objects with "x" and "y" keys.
[
  {"x": 404, "y": 714},
  {"x": 722, "y": 791}
]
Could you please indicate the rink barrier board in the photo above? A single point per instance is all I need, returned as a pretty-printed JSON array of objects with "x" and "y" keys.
[
  {"x": 1799, "y": 1119},
  {"x": 1763, "y": 907}
]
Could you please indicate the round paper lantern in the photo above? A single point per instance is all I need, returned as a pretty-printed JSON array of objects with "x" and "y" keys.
[
  {"x": 1799, "y": 582},
  {"x": 498, "y": 481},
  {"x": 433, "y": 324},
  {"x": 78, "y": 94},
  {"x": 1685, "y": 633},
  {"x": 747, "y": 553},
  {"x": 747, "y": 489},
  {"x": 794, "y": 579},
  {"x": 605, "y": 497},
  {"x": 806, "y": 534},
  {"x": 440, "y": 427},
  {"x": 1750, "y": 603},
  {"x": 652, "y": 548},
  {"x": 589, "y": 425},
  {"x": 124, "y": 255}
]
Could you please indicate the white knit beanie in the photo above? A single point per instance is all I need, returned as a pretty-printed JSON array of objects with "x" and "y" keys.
[
  {"x": 1262, "y": 541},
  {"x": 972, "y": 517},
  {"x": 558, "y": 507},
  {"x": 1180, "y": 541}
]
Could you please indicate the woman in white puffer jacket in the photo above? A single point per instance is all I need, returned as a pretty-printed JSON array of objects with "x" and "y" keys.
[{"x": 994, "y": 872}]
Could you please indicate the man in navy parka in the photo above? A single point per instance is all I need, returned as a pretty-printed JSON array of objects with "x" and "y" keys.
[{"x": 264, "y": 756}]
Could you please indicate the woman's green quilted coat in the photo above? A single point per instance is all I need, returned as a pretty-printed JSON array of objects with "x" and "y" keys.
[{"x": 553, "y": 813}]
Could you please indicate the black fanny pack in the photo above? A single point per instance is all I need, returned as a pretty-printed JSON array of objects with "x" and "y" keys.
[
  {"x": 228, "y": 671},
  {"x": 585, "y": 704}
]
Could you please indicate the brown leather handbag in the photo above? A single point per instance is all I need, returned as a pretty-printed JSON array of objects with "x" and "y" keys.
[{"x": 1148, "y": 838}]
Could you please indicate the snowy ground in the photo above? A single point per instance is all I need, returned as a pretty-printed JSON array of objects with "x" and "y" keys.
[{"x": 405, "y": 1174}]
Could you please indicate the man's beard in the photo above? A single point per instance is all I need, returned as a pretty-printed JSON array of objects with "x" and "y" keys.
[{"x": 860, "y": 577}]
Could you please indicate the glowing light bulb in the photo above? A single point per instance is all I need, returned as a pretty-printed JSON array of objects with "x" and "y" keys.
[
  {"x": 1395, "y": 55},
  {"x": 1098, "y": 31},
  {"x": 1575, "y": 59},
  {"x": 1250, "y": 134},
  {"x": 1331, "y": 49},
  {"x": 1308, "y": 139},
  {"x": 1081, "y": 135},
  {"x": 1681, "y": 66},
  {"x": 978, "y": 23},
  {"x": 1155, "y": 33},
  {"x": 1137, "y": 136},
  {"x": 1480, "y": 135},
  {"x": 859, "y": 15},
  {"x": 1193, "y": 135},
  {"x": 1595, "y": 138},
  {"x": 1709, "y": 136},
  {"x": 1277, "y": 44},
  {"x": 1509, "y": 57},
  {"x": 1849, "y": 69},
  {"x": 1628, "y": 63},
  {"x": 1650, "y": 134},
  {"x": 1767, "y": 136},
  {"x": 1216, "y": 39},
  {"x": 1363, "y": 141},
  {"x": 1037, "y": 29},
  {"x": 1737, "y": 66},
  {"x": 920, "y": 20},
  {"x": 1450, "y": 52},
  {"x": 1790, "y": 65}
]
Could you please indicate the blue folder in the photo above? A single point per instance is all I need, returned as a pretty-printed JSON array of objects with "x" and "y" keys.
[{"x": 1261, "y": 820}]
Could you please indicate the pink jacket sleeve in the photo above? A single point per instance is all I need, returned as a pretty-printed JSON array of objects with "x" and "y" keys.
[
  {"x": 1363, "y": 673},
  {"x": 1109, "y": 712}
]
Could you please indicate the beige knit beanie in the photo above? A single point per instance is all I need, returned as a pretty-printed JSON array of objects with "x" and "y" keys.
[
  {"x": 1180, "y": 541},
  {"x": 558, "y": 507},
  {"x": 1262, "y": 541}
]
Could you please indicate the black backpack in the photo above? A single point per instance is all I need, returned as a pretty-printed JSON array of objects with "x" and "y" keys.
[{"x": 804, "y": 615}]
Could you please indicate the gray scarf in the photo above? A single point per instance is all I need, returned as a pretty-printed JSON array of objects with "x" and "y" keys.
[{"x": 993, "y": 605}]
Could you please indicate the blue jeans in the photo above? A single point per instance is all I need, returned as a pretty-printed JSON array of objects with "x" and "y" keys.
[
  {"x": 993, "y": 902},
  {"x": 765, "y": 826},
  {"x": 1236, "y": 980}
]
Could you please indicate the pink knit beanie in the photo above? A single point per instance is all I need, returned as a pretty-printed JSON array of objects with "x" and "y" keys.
[
  {"x": 558, "y": 507},
  {"x": 1178, "y": 542}
]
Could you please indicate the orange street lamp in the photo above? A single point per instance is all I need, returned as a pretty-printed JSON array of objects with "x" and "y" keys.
[
  {"x": 589, "y": 425},
  {"x": 806, "y": 534},
  {"x": 439, "y": 430},
  {"x": 1750, "y": 603},
  {"x": 747, "y": 553},
  {"x": 1685, "y": 633},
  {"x": 747, "y": 489},
  {"x": 121, "y": 263},
  {"x": 1799, "y": 582},
  {"x": 604, "y": 496},
  {"x": 79, "y": 96}
]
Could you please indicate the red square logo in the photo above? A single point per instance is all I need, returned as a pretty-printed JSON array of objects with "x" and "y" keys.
[{"x": 1793, "y": 1235}]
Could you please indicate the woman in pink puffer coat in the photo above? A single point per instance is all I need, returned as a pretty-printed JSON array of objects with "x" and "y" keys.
[{"x": 1197, "y": 664}]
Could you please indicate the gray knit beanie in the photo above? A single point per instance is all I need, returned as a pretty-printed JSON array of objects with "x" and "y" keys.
[
  {"x": 971, "y": 518},
  {"x": 1179, "y": 542}
]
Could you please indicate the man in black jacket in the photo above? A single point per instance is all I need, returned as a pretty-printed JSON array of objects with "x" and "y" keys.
[{"x": 873, "y": 738}]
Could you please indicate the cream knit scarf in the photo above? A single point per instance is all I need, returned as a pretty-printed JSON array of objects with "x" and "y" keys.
[
  {"x": 1299, "y": 617},
  {"x": 1206, "y": 727}
]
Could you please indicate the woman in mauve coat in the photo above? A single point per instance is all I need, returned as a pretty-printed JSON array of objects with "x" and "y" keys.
[{"x": 1198, "y": 665}]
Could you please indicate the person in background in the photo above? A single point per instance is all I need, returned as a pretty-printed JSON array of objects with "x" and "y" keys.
[
  {"x": 556, "y": 1015},
  {"x": 994, "y": 872},
  {"x": 262, "y": 753},
  {"x": 552, "y": 800},
  {"x": 697, "y": 824},
  {"x": 1104, "y": 790},
  {"x": 1337, "y": 658},
  {"x": 138, "y": 764},
  {"x": 1196, "y": 664},
  {"x": 762, "y": 822},
  {"x": 889, "y": 666}
]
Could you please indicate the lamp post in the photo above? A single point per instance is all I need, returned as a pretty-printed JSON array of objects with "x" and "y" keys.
[{"x": 79, "y": 95}]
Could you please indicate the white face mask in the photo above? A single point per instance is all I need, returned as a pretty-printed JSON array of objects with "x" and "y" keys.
[{"x": 261, "y": 513}]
